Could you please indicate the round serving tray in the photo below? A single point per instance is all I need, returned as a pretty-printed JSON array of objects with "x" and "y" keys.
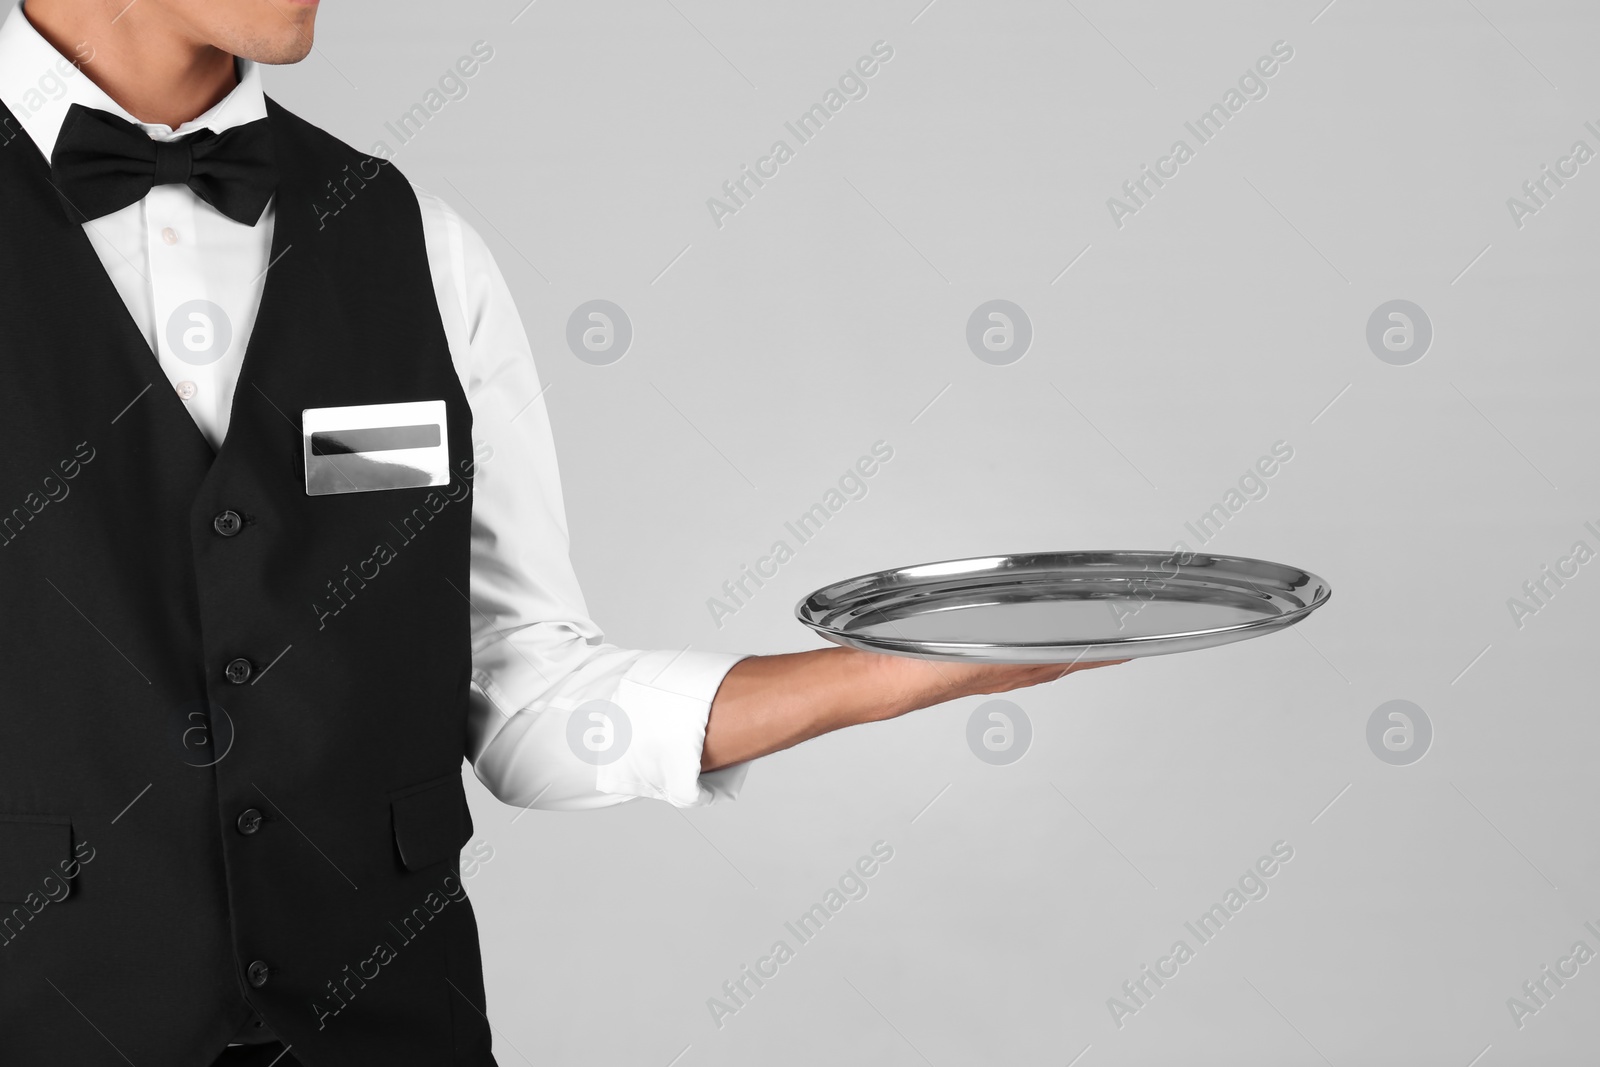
[{"x": 1063, "y": 607}]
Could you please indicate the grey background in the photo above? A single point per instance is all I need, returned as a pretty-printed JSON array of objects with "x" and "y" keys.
[{"x": 1228, "y": 314}]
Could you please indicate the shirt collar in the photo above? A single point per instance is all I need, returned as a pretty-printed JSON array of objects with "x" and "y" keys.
[{"x": 38, "y": 84}]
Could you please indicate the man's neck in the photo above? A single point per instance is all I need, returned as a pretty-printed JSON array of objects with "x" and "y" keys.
[{"x": 156, "y": 71}]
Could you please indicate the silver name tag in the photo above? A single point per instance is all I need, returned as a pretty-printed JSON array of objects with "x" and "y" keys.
[{"x": 365, "y": 447}]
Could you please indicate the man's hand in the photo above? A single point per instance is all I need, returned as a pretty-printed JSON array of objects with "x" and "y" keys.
[
  {"x": 769, "y": 703},
  {"x": 946, "y": 681}
]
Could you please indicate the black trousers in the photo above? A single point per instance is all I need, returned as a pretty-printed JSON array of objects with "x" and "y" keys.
[{"x": 269, "y": 1055}]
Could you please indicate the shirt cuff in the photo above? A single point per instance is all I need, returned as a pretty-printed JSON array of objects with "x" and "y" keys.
[{"x": 666, "y": 697}]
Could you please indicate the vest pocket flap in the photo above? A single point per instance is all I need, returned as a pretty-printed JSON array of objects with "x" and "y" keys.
[
  {"x": 34, "y": 852},
  {"x": 431, "y": 821}
]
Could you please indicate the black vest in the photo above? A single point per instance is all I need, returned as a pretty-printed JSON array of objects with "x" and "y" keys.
[{"x": 181, "y": 841}]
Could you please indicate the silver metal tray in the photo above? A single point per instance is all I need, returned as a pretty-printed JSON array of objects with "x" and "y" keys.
[{"x": 1063, "y": 607}]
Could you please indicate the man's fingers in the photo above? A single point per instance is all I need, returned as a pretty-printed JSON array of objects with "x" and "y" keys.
[
  {"x": 1071, "y": 667},
  {"x": 954, "y": 679}
]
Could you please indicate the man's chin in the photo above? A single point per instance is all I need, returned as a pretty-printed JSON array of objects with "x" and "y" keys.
[{"x": 279, "y": 53}]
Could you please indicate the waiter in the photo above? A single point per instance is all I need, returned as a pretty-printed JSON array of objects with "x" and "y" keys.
[{"x": 281, "y": 542}]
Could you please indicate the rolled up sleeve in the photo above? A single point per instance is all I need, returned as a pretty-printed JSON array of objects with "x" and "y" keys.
[{"x": 558, "y": 717}]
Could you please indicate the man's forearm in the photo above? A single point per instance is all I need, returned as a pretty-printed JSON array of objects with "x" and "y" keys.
[{"x": 769, "y": 703}]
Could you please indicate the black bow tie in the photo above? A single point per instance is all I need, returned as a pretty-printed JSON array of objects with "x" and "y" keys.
[{"x": 103, "y": 163}]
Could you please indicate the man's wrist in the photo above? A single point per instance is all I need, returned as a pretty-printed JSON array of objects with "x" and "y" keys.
[{"x": 900, "y": 684}]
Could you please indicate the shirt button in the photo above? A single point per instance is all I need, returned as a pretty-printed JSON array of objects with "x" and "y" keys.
[
  {"x": 238, "y": 671},
  {"x": 249, "y": 821},
  {"x": 227, "y": 523},
  {"x": 169, "y": 235},
  {"x": 258, "y": 973},
  {"x": 187, "y": 390}
]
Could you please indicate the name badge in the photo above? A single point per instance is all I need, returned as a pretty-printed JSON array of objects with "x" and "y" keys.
[{"x": 365, "y": 447}]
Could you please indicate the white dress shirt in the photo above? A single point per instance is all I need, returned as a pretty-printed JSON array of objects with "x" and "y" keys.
[{"x": 536, "y": 654}]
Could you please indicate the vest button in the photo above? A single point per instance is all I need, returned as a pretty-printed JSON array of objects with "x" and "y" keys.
[
  {"x": 249, "y": 821},
  {"x": 227, "y": 523},
  {"x": 238, "y": 671},
  {"x": 258, "y": 973}
]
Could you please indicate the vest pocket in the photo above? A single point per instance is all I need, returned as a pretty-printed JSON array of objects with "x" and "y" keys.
[
  {"x": 36, "y": 858},
  {"x": 431, "y": 821}
]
